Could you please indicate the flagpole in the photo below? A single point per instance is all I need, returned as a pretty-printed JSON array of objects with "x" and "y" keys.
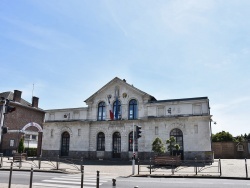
[{"x": 133, "y": 157}]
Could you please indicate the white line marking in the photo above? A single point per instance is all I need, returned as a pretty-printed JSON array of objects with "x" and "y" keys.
[
  {"x": 57, "y": 185},
  {"x": 68, "y": 182}
]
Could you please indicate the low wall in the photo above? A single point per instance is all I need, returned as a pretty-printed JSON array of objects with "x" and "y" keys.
[{"x": 231, "y": 150}]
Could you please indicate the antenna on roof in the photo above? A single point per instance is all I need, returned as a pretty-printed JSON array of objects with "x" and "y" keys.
[{"x": 33, "y": 89}]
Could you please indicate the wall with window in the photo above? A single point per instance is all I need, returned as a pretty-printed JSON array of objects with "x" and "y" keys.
[
  {"x": 66, "y": 114},
  {"x": 181, "y": 108},
  {"x": 124, "y": 100}
]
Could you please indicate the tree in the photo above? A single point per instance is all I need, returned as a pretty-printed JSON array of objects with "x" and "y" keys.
[
  {"x": 240, "y": 138},
  {"x": 158, "y": 146},
  {"x": 21, "y": 146},
  {"x": 172, "y": 145},
  {"x": 222, "y": 137}
]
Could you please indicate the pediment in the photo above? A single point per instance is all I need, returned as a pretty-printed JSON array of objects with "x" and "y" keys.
[{"x": 124, "y": 89}]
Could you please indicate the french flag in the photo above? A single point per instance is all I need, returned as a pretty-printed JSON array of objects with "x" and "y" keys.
[{"x": 111, "y": 114}]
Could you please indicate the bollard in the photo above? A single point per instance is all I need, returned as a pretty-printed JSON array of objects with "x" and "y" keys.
[
  {"x": 97, "y": 179},
  {"x": 82, "y": 173},
  {"x": 31, "y": 177},
  {"x": 195, "y": 166},
  {"x": 10, "y": 177},
  {"x": 150, "y": 166},
  {"x": 1, "y": 162},
  {"x": 57, "y": 162},
  {"x": 113, "y": 182},
  {"x": 220, "y": 167},
  {"x": 246, "y": 168}
]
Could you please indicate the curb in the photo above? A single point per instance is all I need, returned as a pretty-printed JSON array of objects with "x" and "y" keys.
[
  {"x": 191, "y": 176},
  {"x": 39, "y": 170}
]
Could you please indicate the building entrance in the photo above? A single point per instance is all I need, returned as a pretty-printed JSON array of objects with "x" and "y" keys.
[
  {"x": 116, "y": 145},
  {"x": 65, "y": 144}
]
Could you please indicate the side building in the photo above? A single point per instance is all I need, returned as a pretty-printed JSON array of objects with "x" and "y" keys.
[
  {"x": 93, "y": 131},
  {"x": 25, "y": 121}
]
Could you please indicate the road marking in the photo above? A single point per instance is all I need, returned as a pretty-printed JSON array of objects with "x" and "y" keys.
[
  {"x": 76, "y": 179},
  {"x": 68, "y": 182},
  {"x": 41, "y": 185}
]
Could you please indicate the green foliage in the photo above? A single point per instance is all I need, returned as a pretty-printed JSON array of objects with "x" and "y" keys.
[
  {"x": 21, "y": 146},
  {"x": 31, "y": 152},
  {"x": 240, "y": 138},
  {"x": 172, "y": 145},
  {"x": 222, "y": 137},
  {"x": 158, "y": 146}
]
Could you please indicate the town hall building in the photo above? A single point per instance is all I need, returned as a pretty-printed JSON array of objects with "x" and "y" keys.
[{"x": 104, "y": 129}]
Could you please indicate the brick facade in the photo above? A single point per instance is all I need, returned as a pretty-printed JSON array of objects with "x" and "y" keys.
[{"x": 24, "y": 114}]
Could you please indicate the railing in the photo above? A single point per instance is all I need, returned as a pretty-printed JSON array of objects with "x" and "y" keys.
[
  {"x": 81, "y": 180},
  {"x": 42, "y": 163},
  {"x": 191, "y": 167}
]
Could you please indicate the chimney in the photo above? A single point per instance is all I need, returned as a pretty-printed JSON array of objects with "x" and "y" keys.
[
  {"x": 17, "y": 96},
  {"x": 35, "y": 102}
]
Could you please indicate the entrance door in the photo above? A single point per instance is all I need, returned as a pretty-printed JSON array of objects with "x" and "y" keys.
[
  {"x": 116, "y": 145},
  {"x": 178, "y": 135},
  {"x": 65, "y": 144}
]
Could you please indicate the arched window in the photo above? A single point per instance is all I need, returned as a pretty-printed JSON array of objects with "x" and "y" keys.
[
  {"x": 117, "y": 110},
  {"x": 130, "y": 142},
  {"x": 65, "y": 144},
  {"x": 101, "y": 142},
  {"x": 101, "y": 111},
  {"x": 116, "y": 145},
  {"x": 178, "y": 135},
  {"x": 133, "y": 109}
]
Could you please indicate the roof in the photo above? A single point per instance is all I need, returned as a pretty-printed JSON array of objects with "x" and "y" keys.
[
  {"x": 10, "y": 95},
  {"x": 183, "y": 99},
  {"x": 121, "y": 81}
]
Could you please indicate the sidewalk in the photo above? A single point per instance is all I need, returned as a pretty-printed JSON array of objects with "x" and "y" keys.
[{"x": 230, "y": 168}]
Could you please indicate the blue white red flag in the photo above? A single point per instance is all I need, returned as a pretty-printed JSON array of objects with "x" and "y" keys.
[{"x": 111, "y": 114}]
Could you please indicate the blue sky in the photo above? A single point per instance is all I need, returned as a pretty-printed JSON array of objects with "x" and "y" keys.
[{"x": 168, "y": 48}]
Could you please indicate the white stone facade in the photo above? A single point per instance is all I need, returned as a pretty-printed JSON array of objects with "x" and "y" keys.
[{"x": 190, "y": 116}]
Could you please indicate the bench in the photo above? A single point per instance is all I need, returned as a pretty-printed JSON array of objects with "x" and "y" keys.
[
  {"x": 167, "y": 160},
  {"x": 19, "y": 156}
]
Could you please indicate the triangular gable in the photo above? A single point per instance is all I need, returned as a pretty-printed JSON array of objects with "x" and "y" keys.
[{"x": 123, "y": 82}]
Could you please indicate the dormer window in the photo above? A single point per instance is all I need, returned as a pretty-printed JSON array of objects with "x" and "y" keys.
[
  {"x": 133, "y": 109},
  {"x": 101, "y": 111}
]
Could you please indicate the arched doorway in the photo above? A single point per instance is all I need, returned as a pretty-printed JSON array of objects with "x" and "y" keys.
[
  {"x": 32, "y": 138},
  {"x": 116, "y": 145},
  {"x": 178, "y": 135},
  {"x": 65, "y": 144}
]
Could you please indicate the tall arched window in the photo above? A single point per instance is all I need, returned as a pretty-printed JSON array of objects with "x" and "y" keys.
[
  {"x": 101, "y": 111},
  {"x": 116, "y": 145},
  {"x": 133, "y": 109},
  {"x": 130, "y": 142},
  {"x": 101, "y": 141},
  {"x": 65, "y": 144},
  {"x": 178, "y": 135},
  {"x": 117, "y": 110}
]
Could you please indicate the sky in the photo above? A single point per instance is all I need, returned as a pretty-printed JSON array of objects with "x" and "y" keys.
[{"x": 169, "y": 49}]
